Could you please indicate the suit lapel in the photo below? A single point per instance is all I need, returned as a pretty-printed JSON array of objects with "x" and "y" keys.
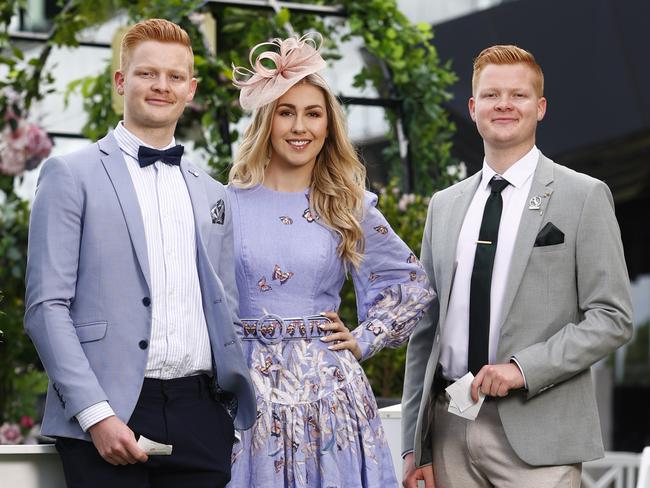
[
  {"x": 118, "y": 173},
  {"x": 456, "y": 215},
  {"x": 199, "y": 198},
  {"x": 531, "y": 221}
]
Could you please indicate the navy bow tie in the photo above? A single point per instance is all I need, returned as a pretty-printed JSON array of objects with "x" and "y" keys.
[{"x": 148, "y": 155}]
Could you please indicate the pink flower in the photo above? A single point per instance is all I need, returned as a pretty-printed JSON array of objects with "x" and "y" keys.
[
  {"x": 26, "y": 422},
  {"x": 38, "y": 145},
  {"x": 24, "y": 148},
  {"x": 406, "y": 200},
  {"x": 10, "y": 434}
]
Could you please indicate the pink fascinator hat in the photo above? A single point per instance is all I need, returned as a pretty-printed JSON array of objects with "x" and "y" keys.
[{"x": 297, "y": 58}]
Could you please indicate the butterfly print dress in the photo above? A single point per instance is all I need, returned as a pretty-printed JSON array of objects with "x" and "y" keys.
[{"x": 317, "y": 424}]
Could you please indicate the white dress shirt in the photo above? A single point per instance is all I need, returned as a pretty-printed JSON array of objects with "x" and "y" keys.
[
  {"x": 179, "y": 344},
  {"x": 455, "y": 332}
]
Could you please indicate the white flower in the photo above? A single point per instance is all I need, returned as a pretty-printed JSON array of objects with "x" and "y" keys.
[
  {"x": 462, "y": 170},
  {"x": 196, "y": 18},
  {"x": 406, "y": 200},
  {"x": 457, "y": 171},
  {"x": 402, "y": 204},
  {"x": 10, "y": 434}
]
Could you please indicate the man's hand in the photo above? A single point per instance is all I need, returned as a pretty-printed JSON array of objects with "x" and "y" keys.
[
  {"x": 497, "y": 380},
  {"x": 411, "y": 474},
  {"x": 116, "y": 443}
]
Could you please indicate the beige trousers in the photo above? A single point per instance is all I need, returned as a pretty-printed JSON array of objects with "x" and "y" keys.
[{"x": 477, "y": 454}]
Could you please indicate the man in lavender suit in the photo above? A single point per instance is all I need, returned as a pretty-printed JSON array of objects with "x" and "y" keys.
[{"x": 131, "y": 296}]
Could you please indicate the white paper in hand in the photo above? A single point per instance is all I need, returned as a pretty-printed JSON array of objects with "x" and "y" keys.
[
  {"x": 460, "y": 402},
  {"x": 153, "y": 448}
]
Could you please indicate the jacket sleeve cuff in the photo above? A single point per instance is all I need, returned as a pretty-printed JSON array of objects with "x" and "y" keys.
[{"x": 93, "y": 414}]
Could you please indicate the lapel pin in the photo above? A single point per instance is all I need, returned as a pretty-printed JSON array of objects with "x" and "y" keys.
[
  {"x": 535, "y": 203},
  {"x": 193, "y": 172}
]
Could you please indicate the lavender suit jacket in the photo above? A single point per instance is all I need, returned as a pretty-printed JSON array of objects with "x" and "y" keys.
[{"x": 88, "y": 286}]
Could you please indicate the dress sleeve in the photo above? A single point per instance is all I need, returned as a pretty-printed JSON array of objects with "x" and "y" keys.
[{"x": 391, "y": 286}]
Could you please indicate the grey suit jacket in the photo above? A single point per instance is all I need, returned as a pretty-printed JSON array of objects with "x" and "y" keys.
[
  {"x": 566, "y": 306},
  {"x": 88, "y": 289}
]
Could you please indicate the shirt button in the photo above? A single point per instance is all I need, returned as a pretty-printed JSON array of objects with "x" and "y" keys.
[
  {"x": 146, "y": 301},
  {"x": 143, "y": 344}
]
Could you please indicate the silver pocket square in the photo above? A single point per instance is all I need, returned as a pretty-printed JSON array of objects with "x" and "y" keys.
[{"x": 218, "y": 212}]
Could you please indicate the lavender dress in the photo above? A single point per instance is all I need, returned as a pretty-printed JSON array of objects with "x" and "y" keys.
[{"x": 317, "y": 423}]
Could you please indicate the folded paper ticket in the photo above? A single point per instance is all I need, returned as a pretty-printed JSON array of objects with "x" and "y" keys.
[
  {"x": 460, "y": 398},
  {"x": 153, "y": 448}
]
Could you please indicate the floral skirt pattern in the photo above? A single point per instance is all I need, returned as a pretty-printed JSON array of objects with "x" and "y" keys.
[{"x": 317, "y": 421}]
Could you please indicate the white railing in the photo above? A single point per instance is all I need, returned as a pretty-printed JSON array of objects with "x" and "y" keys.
[
  {"x": 30, "y": 466},
  {"x": 33, "y": 466},
  {"x": 644, "y": 470},
  {"x": 615, "y": 470}
]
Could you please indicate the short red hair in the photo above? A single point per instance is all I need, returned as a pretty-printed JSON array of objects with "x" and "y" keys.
[
  {"x": 160, "y": 30},
  {"x": 508, "y": 54}
]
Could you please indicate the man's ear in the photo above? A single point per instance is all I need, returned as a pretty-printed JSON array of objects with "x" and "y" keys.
[
  {"x": 471, "y": 105},
  {"x": 190, "y": 95},
  {"x": 541, "y": 108},
  {"x": 118, "y": 77}
]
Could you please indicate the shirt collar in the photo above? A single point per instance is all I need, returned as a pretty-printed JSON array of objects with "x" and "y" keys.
[
  {"x": 129, "y": 143},
  {"x": 517, "y": 174}
]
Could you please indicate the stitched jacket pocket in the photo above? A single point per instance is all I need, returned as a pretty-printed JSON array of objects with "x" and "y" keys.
[{"x": 91, "y": 331}]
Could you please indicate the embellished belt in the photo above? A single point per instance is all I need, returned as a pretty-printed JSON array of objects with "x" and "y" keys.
[{"x": 271, "y": 328}]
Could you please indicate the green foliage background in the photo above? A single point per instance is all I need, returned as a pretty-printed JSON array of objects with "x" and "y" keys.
[
  {"x": 385, "y": 370},
  {"x": 406, "y": 68}
]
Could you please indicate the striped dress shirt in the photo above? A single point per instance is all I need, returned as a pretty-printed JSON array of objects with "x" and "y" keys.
[{"x": 179, "y": 344}]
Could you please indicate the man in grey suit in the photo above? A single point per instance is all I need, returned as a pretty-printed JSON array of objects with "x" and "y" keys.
[
  {"x": 526, "y": 259},
  {"x": 131, "y": 296}
]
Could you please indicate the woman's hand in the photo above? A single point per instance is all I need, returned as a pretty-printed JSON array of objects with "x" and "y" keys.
[{"x": 341, "y": 334}]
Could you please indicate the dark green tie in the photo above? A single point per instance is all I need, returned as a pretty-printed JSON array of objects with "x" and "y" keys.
[{"x": 479, "y": 295}]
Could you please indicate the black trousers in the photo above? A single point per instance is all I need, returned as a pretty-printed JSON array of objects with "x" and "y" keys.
[{"x": 181, "y": 412}]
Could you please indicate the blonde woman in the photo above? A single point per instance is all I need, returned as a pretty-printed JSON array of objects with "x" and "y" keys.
[{"x": 303, "y": 220}]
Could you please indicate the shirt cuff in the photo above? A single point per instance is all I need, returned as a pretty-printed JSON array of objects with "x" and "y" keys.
[
  {"x": 521, "y": 370},
  {"x": 405, "y": 453},
  {"x": 93, "y": 414}
]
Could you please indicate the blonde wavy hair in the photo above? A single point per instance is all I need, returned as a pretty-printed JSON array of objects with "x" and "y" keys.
[{"x": 336, "y": 192}]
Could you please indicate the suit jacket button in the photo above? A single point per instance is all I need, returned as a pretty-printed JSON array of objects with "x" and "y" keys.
[
  {"x": 146, "y": 301},
  {"x": 143, "y": 344}
]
